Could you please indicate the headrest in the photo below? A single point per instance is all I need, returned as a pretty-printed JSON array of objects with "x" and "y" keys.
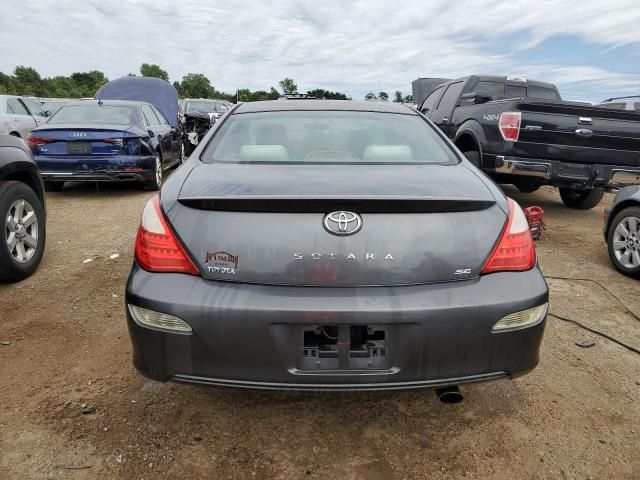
[
  {"x": 263, "y": 153},
  {"x": 387, "y": 153},
  {"x": 271, "y": 134}
]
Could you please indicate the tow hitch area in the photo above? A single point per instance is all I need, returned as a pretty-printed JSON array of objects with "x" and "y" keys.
[{"x": 344, "y": 347}]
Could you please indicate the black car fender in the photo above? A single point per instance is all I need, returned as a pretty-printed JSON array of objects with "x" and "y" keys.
[{"x": 16, "y": 163}]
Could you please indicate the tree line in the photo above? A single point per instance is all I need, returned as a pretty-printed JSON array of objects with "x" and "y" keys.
[{"x": 27, "y": 81}]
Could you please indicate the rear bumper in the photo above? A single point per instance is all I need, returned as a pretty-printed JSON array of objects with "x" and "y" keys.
[
  {"x": 564, "y": 173},
  {"x": 121, "y": 168},
  {"x": 98, "y": 176},
  {"x": 251, "y": 336}
]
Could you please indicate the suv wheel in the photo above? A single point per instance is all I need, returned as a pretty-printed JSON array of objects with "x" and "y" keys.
[
  {"x": 23, "y": 231},
  {"x": 624, "y": 241},
  {"x": 581, "y": 199}
]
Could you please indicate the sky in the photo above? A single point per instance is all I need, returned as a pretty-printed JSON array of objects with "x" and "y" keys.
[{"x": 590, "y": 49}]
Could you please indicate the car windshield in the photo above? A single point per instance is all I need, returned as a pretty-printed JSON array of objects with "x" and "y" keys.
[
  {"x": 93, "y": 114},
  {"x": 207, "y": 107},
  {"x": 327, "y": 137}
]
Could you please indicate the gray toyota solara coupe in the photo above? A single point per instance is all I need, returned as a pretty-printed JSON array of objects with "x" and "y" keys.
[{"x": 333, "y": 245}]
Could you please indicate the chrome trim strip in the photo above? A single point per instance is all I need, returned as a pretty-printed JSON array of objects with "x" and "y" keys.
[
  {"x": 520, "y": 167},
  {"x": 337, "y": 387}
]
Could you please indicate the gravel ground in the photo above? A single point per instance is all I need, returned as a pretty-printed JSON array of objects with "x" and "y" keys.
[{"x": 65, "y": 350}]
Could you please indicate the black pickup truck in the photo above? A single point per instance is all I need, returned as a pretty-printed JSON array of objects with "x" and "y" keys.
[{"x": 520, "y": 132}]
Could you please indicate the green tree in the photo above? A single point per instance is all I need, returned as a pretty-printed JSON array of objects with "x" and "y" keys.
[
  {"x": 321, "y": 93},
  {"x": 6, "y": 84},
  {"x": 196, "y": 85},
  {"x": 383, "y": 96},
  {"x": 398, "y": 98},
  {"x": 408, "y": 99},
  {"x": 88, "y": 83},
  {"x": 152, "y": 70},
  {"x": 370, "y": 96},
  {"x": 27, "y": 81},
  {"x": 288, "y": 86}
]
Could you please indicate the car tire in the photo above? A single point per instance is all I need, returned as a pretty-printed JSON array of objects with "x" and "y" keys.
[
  {"x": 624, "y": 243},
  {"x": 155, "y": 183},
  {"x": 21, "y": 244},
  {"x": 473, "y": 156},
  {"x": 581, "y": 199},
  {"x": 50, "y": 186}
]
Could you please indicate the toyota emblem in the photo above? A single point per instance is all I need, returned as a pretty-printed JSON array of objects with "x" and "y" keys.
[{"x": 342, "y": 223}]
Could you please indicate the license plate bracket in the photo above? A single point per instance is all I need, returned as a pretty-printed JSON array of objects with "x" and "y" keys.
[
  {"x": 344, "y": 347},
  {"x": 79, "y": 148}
]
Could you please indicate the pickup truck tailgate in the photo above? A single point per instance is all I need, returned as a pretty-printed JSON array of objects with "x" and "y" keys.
[{"x": 575, "y": 133}]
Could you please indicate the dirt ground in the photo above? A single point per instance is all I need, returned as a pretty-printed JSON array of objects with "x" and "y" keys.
[{"x": 64, "y": 347}]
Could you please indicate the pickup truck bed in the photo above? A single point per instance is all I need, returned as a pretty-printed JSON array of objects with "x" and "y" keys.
[{"x": 529, "y": 142}]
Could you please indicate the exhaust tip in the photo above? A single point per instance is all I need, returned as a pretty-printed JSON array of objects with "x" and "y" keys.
[{"x": 450, "y": 394}]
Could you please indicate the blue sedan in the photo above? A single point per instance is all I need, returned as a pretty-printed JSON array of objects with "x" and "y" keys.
[{"x": 107, "y": 140}]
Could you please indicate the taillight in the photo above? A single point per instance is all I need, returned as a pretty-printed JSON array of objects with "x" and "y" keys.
[
  {"x": 509, "y": 124},
  {"x": 514, "y": 251},
  {"x": 157, "y": 248},
  {"x": 34, "y": 141}
]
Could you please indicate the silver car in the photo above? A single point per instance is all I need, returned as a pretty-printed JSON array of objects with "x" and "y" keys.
[
  {"x": 333, "y": 245},
  {"x": 20, "y": 115}
]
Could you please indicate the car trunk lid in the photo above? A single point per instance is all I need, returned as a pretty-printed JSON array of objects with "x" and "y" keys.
[
  {"x": 266, "y": 223},
  {"x": 78, "y": 147}
]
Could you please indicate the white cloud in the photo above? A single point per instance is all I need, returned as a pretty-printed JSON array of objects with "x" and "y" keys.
[{"x": 339, "y": 45}]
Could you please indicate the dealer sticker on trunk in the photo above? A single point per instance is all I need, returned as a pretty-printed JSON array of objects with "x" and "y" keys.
[{"x": 221, "y": 262}]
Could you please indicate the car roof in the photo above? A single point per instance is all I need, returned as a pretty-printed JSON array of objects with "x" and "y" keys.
[{"x": 323, "y": 105}]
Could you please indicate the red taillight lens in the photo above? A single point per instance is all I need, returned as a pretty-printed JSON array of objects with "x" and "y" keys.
[
  {"x": 514, "y": 251},
  {"x": 33, "y": 141},
  {"x": 509, "y": 124},
  {"x": 157, "y": 248}
]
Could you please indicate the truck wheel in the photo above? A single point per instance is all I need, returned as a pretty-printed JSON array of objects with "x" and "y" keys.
[
  {"x": 473, "y": 156},
  {"x": 581, "y": 199},
  {"x": 23, "y": 231},
  {"x": 624, "y": 241},
  {"x": 53, "y": 186}
]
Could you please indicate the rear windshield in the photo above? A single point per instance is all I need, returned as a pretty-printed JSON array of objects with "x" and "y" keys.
[
  {"x": 93, "y": 114},
  {"x": 207, "y": 107},
  {"x": 327, "y": 137},
  {"x": 544, "y": 93}
]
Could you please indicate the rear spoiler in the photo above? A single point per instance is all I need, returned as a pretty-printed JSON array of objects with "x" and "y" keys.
[{"x": 298, "y": 204}]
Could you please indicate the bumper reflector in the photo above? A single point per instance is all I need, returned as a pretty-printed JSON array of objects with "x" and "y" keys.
[
  {"x": 523, "y": 319},
  {"x": 158, "y": 321}
]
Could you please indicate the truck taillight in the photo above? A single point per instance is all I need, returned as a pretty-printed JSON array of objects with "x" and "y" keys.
[
  {"x": 157, "y": 248},
  {"x": 509, "y": 125},
  {"x": 514, "y": 251}
]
